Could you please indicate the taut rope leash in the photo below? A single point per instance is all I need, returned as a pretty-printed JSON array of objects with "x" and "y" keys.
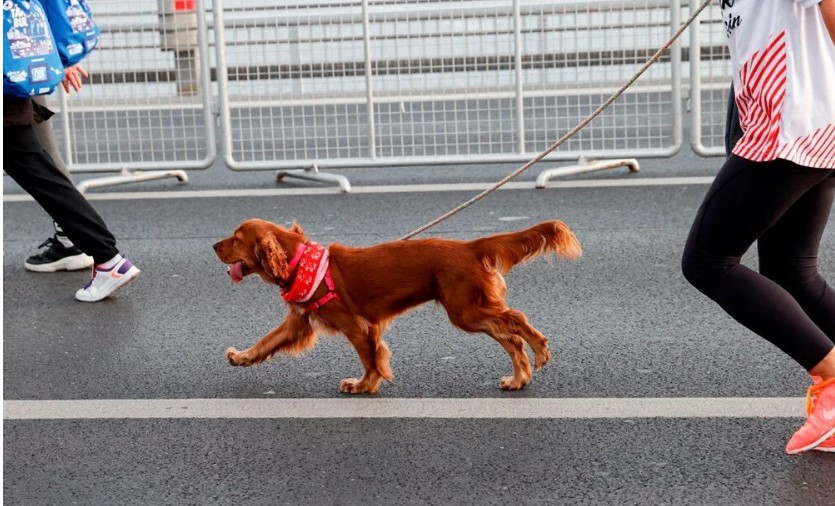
[{"x": 571, "y": 132}]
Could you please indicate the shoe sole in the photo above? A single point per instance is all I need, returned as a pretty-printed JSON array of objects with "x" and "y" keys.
[
  {"x": 124, "y": 282},
  {"x": 814, "y": 445},
  {"x": 73, "y": 263},
  {"x": 824, "y": 450}
]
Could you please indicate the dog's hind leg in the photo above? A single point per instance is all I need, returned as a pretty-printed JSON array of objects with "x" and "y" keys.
[
  {"x": 293, "y": 336},
  {"x": 374, "y": 355},
  {"x": 497, "y": 328},
  {"x": 518, "y": 324},
  {"x": 485, "y": 319}
]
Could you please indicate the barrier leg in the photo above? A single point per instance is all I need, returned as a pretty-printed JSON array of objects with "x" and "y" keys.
[
  {"x": 312, "y": 174},
  {"x": 128, "y": 176},
  {"x": 583, "y": 166}
]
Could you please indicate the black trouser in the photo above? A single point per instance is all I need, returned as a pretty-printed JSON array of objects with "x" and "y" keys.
[
  {"x": 785, "y": 208},
  {"x": 25, "y": 160},
  {"x": 46, "y": 136}
]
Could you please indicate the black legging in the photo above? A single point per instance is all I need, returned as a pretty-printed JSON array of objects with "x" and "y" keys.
[{"x": 785, "y": 208}]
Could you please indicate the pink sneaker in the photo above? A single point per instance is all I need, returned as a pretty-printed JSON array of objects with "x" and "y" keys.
[{"x": 820, "y": 423}]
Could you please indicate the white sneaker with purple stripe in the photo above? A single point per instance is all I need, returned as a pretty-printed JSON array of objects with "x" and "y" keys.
[{"x": 107, "y": 281}]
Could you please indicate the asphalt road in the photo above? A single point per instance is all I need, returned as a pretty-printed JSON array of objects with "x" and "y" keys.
[{"x": 622, "y": 323}]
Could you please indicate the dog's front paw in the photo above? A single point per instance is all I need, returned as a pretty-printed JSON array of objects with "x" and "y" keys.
[
  {"x": 355, "y": 386},
  {"x": 237, "y": 358},
  {"x": 542, "y": 358},
  {"x": 512, "y": 383}
]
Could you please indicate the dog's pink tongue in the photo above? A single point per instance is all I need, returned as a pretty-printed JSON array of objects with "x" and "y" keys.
[{"x": 236, "y": 272}]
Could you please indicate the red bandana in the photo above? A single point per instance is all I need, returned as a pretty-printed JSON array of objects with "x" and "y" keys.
[{"x": 312, "y": 262}]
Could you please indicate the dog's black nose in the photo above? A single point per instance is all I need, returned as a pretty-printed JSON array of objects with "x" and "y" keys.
[{"x": 216, "y": 246}]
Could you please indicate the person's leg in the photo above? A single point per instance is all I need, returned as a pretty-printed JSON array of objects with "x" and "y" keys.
[
  {"x": 46, "y": 136},
  {"x": 788, "y": 254},
  {"x": 746, "y": 199},
  {"x": 58, "y": 253},
  {"x": 28, "y": 164}
]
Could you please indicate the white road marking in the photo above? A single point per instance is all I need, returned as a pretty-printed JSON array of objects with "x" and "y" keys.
[
  {"x": 358, "y": 190},
  {"x": 359, "y": 407}
]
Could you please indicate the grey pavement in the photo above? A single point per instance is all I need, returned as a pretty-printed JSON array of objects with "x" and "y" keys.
[{"x": 622, "y": 323}]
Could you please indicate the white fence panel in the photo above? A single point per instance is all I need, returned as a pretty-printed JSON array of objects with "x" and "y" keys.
[
  {"x": 367, "y": 82},
  {"x": 148, "y": 102}
]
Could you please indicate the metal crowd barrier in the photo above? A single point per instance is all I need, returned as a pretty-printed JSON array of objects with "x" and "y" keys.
[
  {"x": 710, "y": 79},
  {"x": 147, "y": 110},
  {"x": 342, "y": 83}
]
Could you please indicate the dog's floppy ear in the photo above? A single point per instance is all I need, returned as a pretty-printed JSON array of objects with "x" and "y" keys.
[
  {"x": 296, "y": 229},
  {"x": 271, "y": 256}
]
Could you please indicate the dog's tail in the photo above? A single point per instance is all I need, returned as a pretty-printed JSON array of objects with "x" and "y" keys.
[{"x": 503, "y": 251}]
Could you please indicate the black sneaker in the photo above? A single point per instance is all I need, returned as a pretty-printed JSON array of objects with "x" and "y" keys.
[{"x": 58, "y": 257}]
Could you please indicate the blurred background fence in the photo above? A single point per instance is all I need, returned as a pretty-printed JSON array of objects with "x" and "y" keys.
[
  {"x": 710, "y": 77},
  {"x": 384, "y": 82}
]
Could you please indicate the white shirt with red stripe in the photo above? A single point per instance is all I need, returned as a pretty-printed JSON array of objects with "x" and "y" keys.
[{"x": 784, "y": 76}]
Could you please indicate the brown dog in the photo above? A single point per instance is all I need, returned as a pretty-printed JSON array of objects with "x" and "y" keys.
[{"x": 364, "y": 289}]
